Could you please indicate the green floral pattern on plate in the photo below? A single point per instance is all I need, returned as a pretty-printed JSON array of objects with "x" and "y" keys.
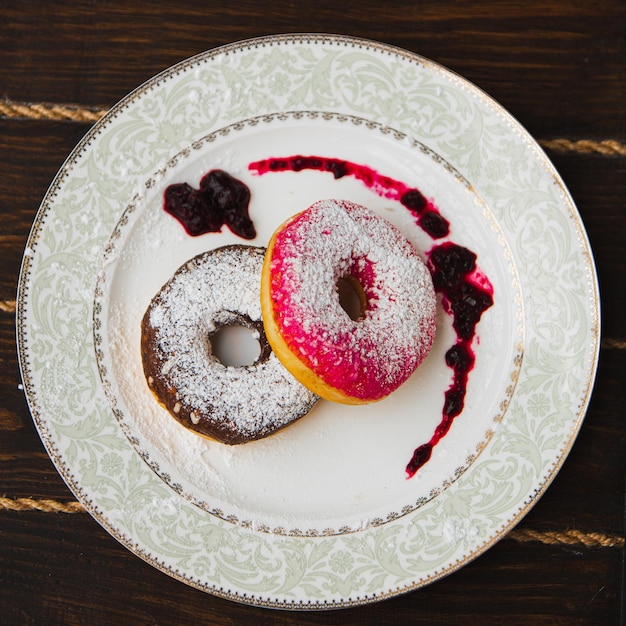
[{"x": 339, "y": 75}]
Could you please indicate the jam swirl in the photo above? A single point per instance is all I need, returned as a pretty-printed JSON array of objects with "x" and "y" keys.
[{"x": 466, "y": 293}]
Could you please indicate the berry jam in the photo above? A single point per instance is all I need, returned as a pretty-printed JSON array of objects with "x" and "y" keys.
[
  {"x": 426, "y": 213},
  {"x": 221, "y": 199},
  {"x": 466, "y": 293}
]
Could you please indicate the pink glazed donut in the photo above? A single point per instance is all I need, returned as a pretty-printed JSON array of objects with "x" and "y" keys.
[{"x": 353, "y": 359}]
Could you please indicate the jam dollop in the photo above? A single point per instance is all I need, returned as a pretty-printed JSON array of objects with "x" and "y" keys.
[
  {"x": 466, "y": 293},
  {"x": 221, "y": 199}
]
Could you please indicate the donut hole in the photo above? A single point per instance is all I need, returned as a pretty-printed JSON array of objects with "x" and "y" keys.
[
  {"x": 235, "y": 345},
  {"x": 351, "y": 297}
]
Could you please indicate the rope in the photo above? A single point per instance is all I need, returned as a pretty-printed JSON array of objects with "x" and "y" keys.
[
  {"x": 48, "y": 506},
  {"x": 608, "y": 147},
  {"x": 42, "y": 111},
  {"x": 77, "y": 113},
  {"x": 620, "y": 344},
  {"x": 568, "y": 537},
  {"x": 8, "y": 306}
]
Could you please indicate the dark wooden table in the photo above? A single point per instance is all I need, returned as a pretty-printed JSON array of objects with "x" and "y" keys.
[{"x": 559, "y": 67}]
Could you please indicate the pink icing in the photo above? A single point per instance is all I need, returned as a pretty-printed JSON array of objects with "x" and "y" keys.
[{"x": 366, "y": 358}]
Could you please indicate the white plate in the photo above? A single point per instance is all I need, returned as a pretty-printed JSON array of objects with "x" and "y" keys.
[
  {"x": 322, "y": 513},
  {"x": 342, "y": 468}
]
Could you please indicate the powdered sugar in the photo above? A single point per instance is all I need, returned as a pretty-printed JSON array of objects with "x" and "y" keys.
[
  {"x": 369, "y": 357},
  {"x": 232, "y": 404}
]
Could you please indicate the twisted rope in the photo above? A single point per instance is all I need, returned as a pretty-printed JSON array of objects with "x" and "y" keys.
[
  {"x": 47, "y": 506},
  {"x": 619, "y": 344},
  {"x": 8, "y": 306},
  {"x": 77, "y": 113},
  {"x": 43, "y": 111},
  {"x": 607, "y": 147},
  {"x": 568, "y": 537}
]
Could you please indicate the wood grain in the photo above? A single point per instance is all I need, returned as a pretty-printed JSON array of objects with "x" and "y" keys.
[
  {"x": 40, "y": 577},
  {"x": 549, "y": 63},
  {"x": 556, "y": 66}
]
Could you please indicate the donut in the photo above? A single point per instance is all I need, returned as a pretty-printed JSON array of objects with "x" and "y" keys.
[
  {"x": 232, "y": 405},
  {"x": 352, "y": 361}
]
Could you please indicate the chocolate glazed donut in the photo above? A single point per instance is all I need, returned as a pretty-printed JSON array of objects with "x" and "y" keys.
[{"x": 230, "y": 404}]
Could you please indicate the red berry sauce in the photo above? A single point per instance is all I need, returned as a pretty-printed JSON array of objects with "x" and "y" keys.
[
  {"x": 221, "y": 199},
  {"x": 466, "y": 292},
  {"x": 427, "y": 215},
  {"x": 466, "y": 295}
]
